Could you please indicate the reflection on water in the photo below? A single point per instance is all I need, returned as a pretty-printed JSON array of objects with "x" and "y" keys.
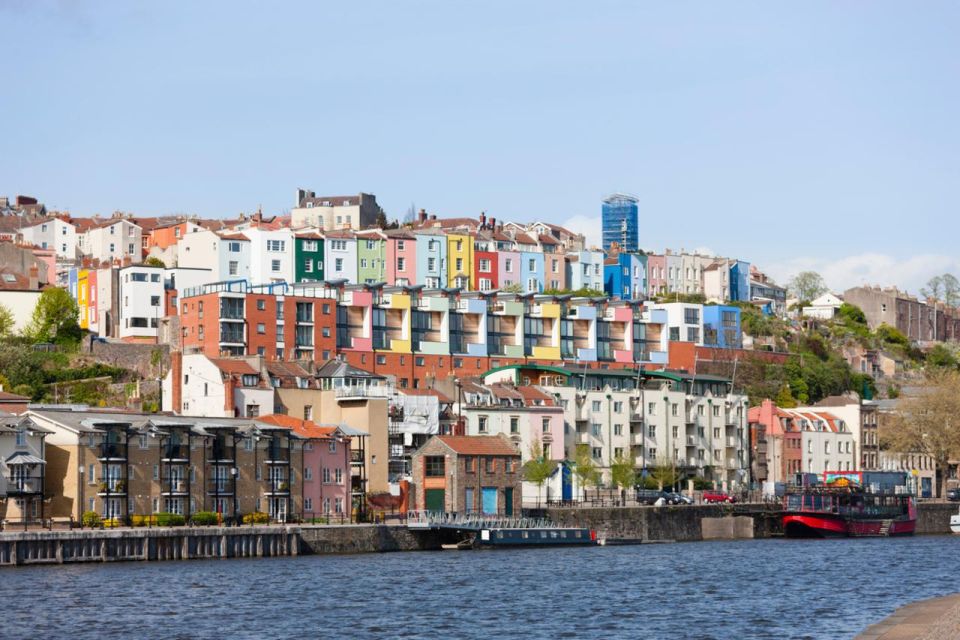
[{"x": 747, "y": 589}]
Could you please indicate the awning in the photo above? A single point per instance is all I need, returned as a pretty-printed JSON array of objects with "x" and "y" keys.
[{"x": 24, "y": 458}]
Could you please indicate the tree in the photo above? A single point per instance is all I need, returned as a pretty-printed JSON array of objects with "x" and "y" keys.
[
  {"x": 7, "y": 322},
  {"x": 154, "y": 261},
  {"x": 538, "y": 468},
  {"x": 381, "y": 221},
  {"x": 934, "y": 288},
  {"x": 951, "y": 289},
  {"x": 785, "y": 398},
  {"x": 807, "y": 285},
  {"x": 928, "y": 423},
  {"x": 623, "y": 474},
  {"x": 582, "y": 292},
  {"x": 513, "y": 287},
  {"x": 664, "y": 472},
  {"x": 55, "y": 317},
  {"x": 584, "y": 468},
  {"x": 940, "y": 356}
]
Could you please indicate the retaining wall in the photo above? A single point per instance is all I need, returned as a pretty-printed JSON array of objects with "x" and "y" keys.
[{"x": 365, "y": 538}]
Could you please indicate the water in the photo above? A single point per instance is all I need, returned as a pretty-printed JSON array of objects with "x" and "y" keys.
[{"x": 749, "y": 589}]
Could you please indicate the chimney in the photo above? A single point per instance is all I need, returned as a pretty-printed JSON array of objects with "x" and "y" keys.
[
  {"x": 423, "y": 215},
  {"x": 228, "y": 389},
  {"x": 34, "y": 278},
  {"x": 483, "y": 220},
  {"x": 433, "y": 216},
  {"x": 176, "y": 381},
  {"x": 493, "y": 223}
]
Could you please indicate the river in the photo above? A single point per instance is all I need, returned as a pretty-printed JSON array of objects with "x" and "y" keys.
[{"x": 747, "y": 589}]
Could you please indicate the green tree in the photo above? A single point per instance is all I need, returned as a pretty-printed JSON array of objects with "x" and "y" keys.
[
  {"x": 582, "y": 292},
  {"x": 928, "y": 423},
  {"x": 381, "y": 221},
  {"x": 663, "y": 471},
  {"x": 940, "y": 356},
  {"x": 785, "y": 398},
  {"x": 154, "y": 261},
  {"x": 623, "y": 474},
  {"x": 934, "y": 288},
  {"x": 892, "y": 335},
  {"x": 55, "y": 317},
  {"x": 7, "y": 322},
  {"x": 538, "y": 468},
  {"x": 807, "y": 285},
  {"x": 951, "y": 289},
  {"x": 584, "y": 468},
  {"x": 513, "y": 287}
]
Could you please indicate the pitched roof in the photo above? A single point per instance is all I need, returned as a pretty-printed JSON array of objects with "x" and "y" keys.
[
  {"x": 479, "y": 445},
  {"x": 426, "y": 392},
  {"x": 306, "y": 428},
  {"x": 338, "y": 369},
  {"x": 236, "y": 367}
]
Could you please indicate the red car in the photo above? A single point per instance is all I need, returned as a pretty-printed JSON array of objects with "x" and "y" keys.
[{"x": 712, "y": 497}]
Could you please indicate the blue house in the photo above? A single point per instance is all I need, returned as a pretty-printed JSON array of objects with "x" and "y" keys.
[
  {"x": 721, "y": 327},
  {"x": 625, "y": 276},
  {"x": 740, "y": 281},
  {"x": 531, "y": 271}
]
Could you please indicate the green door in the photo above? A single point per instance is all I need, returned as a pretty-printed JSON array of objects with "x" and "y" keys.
[
  {"x": 508, "y": 501},
  {"x": 434, "y": 500}
]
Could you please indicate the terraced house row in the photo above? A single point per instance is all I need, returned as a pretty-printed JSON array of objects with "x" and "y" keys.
[{"x": 411, "y": 332}]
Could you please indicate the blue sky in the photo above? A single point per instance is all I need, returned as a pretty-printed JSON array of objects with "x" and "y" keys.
[{"x": 816, "y": 134}]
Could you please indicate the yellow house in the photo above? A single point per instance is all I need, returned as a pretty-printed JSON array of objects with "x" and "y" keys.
[
  {"x": 83, "y": 297},
  {"x": 459, "y": 260}
]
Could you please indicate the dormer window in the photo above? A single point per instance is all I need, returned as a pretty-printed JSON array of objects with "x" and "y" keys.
[{"x": 250, "y": 380}]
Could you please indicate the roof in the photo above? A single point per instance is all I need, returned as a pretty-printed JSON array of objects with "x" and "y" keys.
[
  {"x": 82, "y": 421},
  {"x": 236, "y": 367},
  {"x": 547, "y": 240},
  {"x": 21, "y": 457},
  {"x": 12, "y": 398},
  {"x": 338, "y": 369},
  {"x": 331, "y": 201},
  {"x": 426, "y": 392},
  {"x": 479, "y": 445},
  {"x": 11, "y": 280},
  {"x": 306, "y": 428}
]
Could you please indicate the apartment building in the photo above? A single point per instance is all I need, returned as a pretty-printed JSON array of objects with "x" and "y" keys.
[
  {"x": 684, "y": 321},
  {"x": 23, "y": 476},
  {"x": 721, "y": 327},
  {"x": 333, "y": 213},
  {"x": 861, "y": 418},
  {"x": 272, "y": 255}
]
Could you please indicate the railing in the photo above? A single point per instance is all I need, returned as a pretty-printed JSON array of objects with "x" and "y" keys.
[
  {"x": 175, "y": 452},
  {"x": 174, "y": 484},
  {"x": 373, "y": 391},
  {"x": 113, "y": 451},
  {"x": 220, "y": 487},
  {"x": 23, "y": 485},
  {"x": 222, "y": 454},
  {"x": 434, "y": 519}
]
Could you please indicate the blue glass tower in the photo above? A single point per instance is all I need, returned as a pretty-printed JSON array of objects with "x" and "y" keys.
[{"x": 620, "y": 221}]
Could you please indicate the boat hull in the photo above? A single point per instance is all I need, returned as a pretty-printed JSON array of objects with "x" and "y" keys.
[
  {"x": 955, "y": 524},
  {"x": 547, "y": 537},
  {"x": 809, "y": 525}
]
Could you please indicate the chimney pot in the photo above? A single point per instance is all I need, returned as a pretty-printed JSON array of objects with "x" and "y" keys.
[{"x": 423, "y": 215}]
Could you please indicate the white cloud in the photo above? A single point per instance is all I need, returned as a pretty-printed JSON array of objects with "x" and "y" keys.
[
  {"x": 909, "y": 274},
  {"x": 589, "y": 226}
]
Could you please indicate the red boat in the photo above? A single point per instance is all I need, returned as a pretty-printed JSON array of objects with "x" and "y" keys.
[{"x": 844, "y": 508}]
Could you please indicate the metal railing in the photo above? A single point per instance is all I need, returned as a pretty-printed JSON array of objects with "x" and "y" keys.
[{"x": 435, "y": 519}]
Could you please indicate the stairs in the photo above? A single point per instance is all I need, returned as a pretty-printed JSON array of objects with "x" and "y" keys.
[{"x": 885, "y": 527}]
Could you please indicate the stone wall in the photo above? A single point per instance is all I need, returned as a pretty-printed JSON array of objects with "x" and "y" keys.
[
  {"x": 365, "y": 538},
  {"x": 128, "y": 355},
  {"x": 934, "y": 517},
  {"x": 681, "y": 523}
]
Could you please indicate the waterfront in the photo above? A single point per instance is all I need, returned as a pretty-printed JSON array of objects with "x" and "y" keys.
[{"x": 746, "y": 589}]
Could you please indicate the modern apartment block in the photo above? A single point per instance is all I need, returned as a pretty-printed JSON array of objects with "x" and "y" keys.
[
  {"x": 620, "y": 221},
  {"x": 23, "y": 477},
  {"x": 694, "y": 423}
]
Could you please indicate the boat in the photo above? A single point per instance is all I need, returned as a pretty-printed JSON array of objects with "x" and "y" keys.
[
  {"x": 536, "y": 537},
  {"x": 955, "y": 523},
  {"x": 842, "y": 505}
]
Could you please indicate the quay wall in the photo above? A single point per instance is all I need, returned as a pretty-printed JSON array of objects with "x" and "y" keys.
[
  {"x": 365, "y": 538},
  {"x": 933, "y": 518}
]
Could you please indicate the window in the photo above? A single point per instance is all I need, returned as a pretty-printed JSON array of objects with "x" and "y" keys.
[
  {"x": 482, "y": 424},
  {"x": 545, "y": 425},
  {"x": 533, "y": 265},
  {"x": 233, "y": 247},
  {"x": 332, "y": 447},
  {"x": 434, "y": 466},
  {"x": 431, "y": 264},
  {"x": 490, "y": 464},
  {"x": 514, "y": 424},
  {"x": 485, "y": 265},
  {"x": 233, "y": 267},
  {"x": 338, "y": 476},
  {"x": 618, "y": 407},
  {"x": 275, "y": 265},
  {"x": 338, "y": 264},
  {"x": 275, "y": 245},
  {"x": 261, "y": 305},
  {"x": 596, "y": 405},
  {"x": 652, "y": 408},
  {"x": 401, "y": 264},
  {"x": 597, "y": 452},
  {"x": 618, "y": 429},
  {"x": 508, "y": 265},
  {"x": 261, "y": 328},
  {"x": 595, "y": 429}
]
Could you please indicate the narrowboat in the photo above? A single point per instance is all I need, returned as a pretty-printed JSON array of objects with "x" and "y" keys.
[
  {"x": 540, "y": 537},
  {"x": 842, "y": 506}
]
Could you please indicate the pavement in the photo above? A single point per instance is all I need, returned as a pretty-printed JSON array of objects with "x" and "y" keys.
[{"x": 935, "y": 619}]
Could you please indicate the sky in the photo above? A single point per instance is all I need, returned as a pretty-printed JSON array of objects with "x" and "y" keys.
[{"x": 813, "y": 135}]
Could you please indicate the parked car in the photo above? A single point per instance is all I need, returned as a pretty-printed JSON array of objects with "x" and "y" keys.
[
  {"x": 650, "y": 496},
  {"x": 712, "y": 497},
  {"x": 953, "y": 495}
]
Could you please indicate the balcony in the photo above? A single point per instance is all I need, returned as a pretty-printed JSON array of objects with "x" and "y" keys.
[
  {"x": 175, "y": 453},
  {"x": 112, "y": 451},
  {"x": 277, "y": 455},
  {"x": 112, "y": 487},
  {"x": 277, "y": 488},
  {"x": 174, "y": 486},
  {"x": 356, "y": 458},
  {"x": 221, "y": 454},
  {"x": 221, "y": 487},
  {"x": 24, "y": 486},
  {"x": 691, "y": 441},
  {"x": 732, "y": 442},
  {"x": 733, "y": 463},
  {"x": 583, "y": 438},
  {"x": 371, "y": 391}
]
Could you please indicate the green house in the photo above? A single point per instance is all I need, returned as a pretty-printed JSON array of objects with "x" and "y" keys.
[{"x": 308, "y": 256}]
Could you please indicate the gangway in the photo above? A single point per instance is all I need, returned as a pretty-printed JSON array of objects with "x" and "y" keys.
[{"x": 472, "y": 521}]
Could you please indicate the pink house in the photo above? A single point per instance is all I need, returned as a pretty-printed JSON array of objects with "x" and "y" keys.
[
  {"x": 326, "y": 467},
  {"x": 401, "y": 257},
  {"x": 656, "y": 274}
]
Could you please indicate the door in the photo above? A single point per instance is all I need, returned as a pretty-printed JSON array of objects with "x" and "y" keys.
[
  {"x": 468, "y": 504},
  {"x": 508, "y": 501},
  {"x": 434, "y": 500},
  {"x": 490, "y": 500},
  {"x": 567, "y": 483}
]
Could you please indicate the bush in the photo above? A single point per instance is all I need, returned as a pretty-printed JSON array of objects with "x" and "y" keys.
[
  {"x": 258, "y": 517},
  {"x": 204, "y": 518},
  {"x": 169, "y": 520},
  {"x": 111, "y": 523},
  {"x": 90, "y": 519},
  {"x": 138, "y": 520}
]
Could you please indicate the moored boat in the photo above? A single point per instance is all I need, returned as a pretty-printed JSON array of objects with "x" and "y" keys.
[
  {"x": 842, "y": 506},
  {"x": 955, "y": 523},
  {"x": 546, "y": 537}
]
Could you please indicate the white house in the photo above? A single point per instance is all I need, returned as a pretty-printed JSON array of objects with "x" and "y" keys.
[
  {"x": 586, "y": 272},
  {"x": 56, "y": 234},
  {"x": 227, "y": 255},
  {"x": 141, "y": 302},
  {"x": 113, "y": 239},
  {"x": 271, "y": 255},
  {"x": 218, "y": 388},
  {"x": 340, "y": 256},
  {"x": 684, "y": 321},
  {"x": 825, "y": 307},
  {"x": 828, "y": 443}
]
